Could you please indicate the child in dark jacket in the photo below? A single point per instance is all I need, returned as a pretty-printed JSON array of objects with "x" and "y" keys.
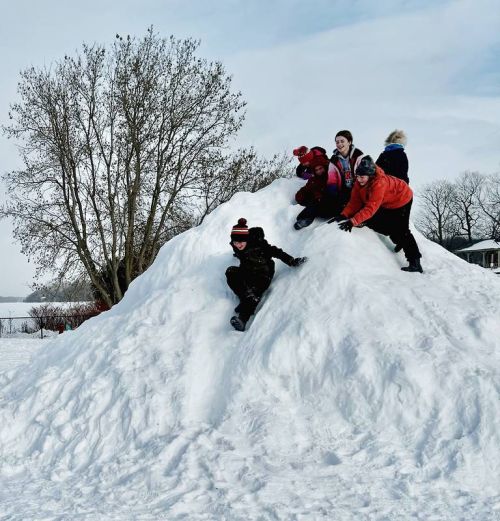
[{"x": 253, "y": 276}]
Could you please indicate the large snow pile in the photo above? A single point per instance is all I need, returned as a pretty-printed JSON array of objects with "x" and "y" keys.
[{"x": 359, "y": 392}]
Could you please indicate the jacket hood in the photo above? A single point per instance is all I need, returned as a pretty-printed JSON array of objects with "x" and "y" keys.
[{"x": 397, "y": 137}]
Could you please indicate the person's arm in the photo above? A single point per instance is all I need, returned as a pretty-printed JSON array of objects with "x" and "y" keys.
[
  {"x": 404, "y": 168},
  {"x": 278, "y": 253},
  {"x": 375, "y": 199}
]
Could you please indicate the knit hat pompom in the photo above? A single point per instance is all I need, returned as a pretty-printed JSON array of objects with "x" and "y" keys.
[
  {"x": 239, "y": 232},
  {"x": 397, "y": 137},
  {"x": 315, "y": 157},
  {"x": 300, "y": 151}
]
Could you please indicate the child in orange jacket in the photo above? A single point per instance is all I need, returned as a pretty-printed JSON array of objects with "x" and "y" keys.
[{"x": 382, "y": 203}]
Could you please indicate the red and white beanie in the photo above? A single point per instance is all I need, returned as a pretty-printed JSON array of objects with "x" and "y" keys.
[{"x": 239, "y": 232}]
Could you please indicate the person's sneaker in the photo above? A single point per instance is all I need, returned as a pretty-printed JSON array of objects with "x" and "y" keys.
[
  {"x": 238, "y": 323},
  {"x": 413, "y": 266},
  {"x": 302, "y": 223}
]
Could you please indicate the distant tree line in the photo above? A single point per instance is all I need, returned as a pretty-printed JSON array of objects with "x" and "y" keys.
[
  {"x": 78, "y": 291},
  {"x": 124, "y": 148},
  {"x": 458, "y": 213}
]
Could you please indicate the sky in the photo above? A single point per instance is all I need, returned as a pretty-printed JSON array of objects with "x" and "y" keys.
[{"x": 306, "y": 70}]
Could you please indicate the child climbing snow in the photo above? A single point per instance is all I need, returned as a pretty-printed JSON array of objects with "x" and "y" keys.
[
  {"x": 382, "y": 203},
  {"x": 321, "y": 196},
  {"x": 253, "y": 276}
]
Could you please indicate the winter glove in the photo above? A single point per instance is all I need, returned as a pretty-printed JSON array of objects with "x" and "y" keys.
[
  {"x": 298, "y": 261},
  {"x": 346, "y": 226},
  {"x": 336, "y": 219}
]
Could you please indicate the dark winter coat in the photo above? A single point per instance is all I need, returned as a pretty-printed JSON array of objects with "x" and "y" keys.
[
  {"x": 381, "y": 191},
  {"x": 394, "y": 161},
  {"x": 257, "y": 257},
  {"x": 313, "y": 191},
  {"x": 347, "y": 176}
]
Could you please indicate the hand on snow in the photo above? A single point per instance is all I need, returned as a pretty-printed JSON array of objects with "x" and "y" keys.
[
  {"x": 336, "y": 219},
  {"x": 346, "y": 226},
  {"x": 298, "y": 261}
]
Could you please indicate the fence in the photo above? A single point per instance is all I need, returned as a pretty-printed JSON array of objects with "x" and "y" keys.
[{"x": 21, "y": 326}]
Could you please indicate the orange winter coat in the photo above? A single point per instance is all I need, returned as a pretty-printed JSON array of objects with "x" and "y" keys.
[{"x": 383, "y": 191}]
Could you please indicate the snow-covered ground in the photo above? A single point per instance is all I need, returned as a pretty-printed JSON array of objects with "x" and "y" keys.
[
  {"x": 15, "y": 352},
  {"x": 359, "y": 392}
]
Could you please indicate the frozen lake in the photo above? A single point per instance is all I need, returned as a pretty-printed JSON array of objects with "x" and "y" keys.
[{"x": 21, "y": 309}]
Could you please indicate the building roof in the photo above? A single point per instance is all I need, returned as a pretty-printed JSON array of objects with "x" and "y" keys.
[{"x": 489, "y": 244}]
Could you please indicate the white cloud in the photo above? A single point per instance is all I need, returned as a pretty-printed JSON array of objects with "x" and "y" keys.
[{"x": 377, "y": 75}]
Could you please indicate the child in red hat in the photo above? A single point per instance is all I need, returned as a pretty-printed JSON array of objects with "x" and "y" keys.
[
  {"x": 321, "y": 194},
  {"x": 253, "y": 276}
]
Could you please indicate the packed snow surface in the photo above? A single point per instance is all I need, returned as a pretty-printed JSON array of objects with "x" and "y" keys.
[
  {"x": 18, "y": 351},
  {"x": 359, "y": 392}
]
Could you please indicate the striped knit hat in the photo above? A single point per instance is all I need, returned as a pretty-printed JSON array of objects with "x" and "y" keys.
[{"x": 239, "y": 232}]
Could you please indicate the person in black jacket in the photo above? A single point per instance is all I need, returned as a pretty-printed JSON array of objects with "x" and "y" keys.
[
  {"x": 393, "y": 160},
  {"x": 253, "y": 276}
]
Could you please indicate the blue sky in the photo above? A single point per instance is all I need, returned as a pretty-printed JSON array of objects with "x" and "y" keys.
[{"x": 306, "y": 69}]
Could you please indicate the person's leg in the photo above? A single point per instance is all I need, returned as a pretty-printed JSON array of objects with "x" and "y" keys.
[
  {"x": 236, "y": 280},
  {"x": 330, "y": 206},
  {"x": 395, "y": 224},
  {"x": 400, "y": 232},
  {"x": 257, "y": 285},
  {"x": 306, "y": 217},
  {"x": 380, "y": 222}
]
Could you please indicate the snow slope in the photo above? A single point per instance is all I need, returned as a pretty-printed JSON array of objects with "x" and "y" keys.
[
  {"x": 18, "y": 351},
  {"x": 359, "y": 392}
]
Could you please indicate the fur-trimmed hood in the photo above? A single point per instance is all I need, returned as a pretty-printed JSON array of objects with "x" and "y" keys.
[{"x": 396, "y": 136}]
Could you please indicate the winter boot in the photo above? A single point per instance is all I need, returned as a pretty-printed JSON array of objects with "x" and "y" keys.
[
  {"x": 413, "y": 266},
  {"x": 238, "y": 323},
  {"x": 302, "y": 223}
]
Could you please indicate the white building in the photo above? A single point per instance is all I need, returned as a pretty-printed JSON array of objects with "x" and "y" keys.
[{"x": 485, "y": 253}]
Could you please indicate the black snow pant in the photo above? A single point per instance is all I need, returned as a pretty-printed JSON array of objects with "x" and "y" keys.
[
  {"x": 396, "y": 224},
  {"x": 327, "y": 207},
  {"x": 249, "y": 287}
]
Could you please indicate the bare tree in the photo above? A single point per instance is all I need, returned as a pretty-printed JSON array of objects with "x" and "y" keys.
[
  {"x": 243, "y": 172},
  {"x": 468, "y": 192},
  {"x": 122, "y": 149},
  {"x": 436, "y": 218},
  {"x": 490, "y": 207}
]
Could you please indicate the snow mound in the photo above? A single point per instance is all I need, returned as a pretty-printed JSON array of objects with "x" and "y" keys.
[{"x": 358, "y": 392}]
